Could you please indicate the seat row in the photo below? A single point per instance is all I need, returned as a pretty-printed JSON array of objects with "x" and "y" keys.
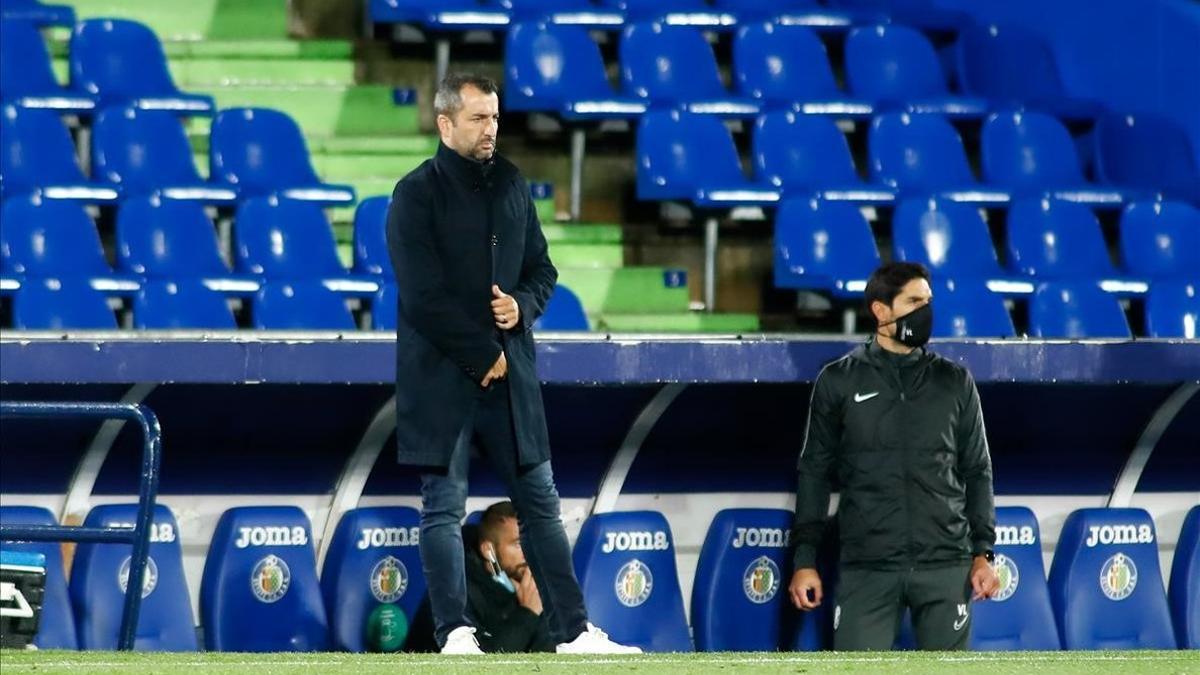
[{"x": 261, "y": 592}]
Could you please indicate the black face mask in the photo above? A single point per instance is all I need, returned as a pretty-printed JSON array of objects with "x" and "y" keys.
[{"x": 913, "y": 329}]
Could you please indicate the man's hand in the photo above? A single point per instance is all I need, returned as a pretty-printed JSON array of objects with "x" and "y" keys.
[
  {"x": 498, "y": 372},
  {"x": 804, "y": 581},
  {"x": 504, "y": 309},
  {"x": 984, "y": 580},
  {"x": 527, "y": 593}
]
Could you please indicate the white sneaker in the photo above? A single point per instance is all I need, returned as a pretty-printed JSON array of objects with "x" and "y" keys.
[
  {"x": 461, "y": 640},
  {"x": 595, "y": 641}
]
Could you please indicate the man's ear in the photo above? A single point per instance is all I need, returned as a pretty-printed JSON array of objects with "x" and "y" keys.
[
  {"x": 879, "y": 312},
  {"x": 444, "y": 124}
]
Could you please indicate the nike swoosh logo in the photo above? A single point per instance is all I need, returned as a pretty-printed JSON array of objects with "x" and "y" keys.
[
  {"x": 859, "y": 398},
  {"x": 958, "y": 625}
]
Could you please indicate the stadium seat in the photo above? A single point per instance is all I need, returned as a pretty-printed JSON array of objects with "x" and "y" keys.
[
  {"x": 1105, "y": 583},
  {"x": 385, "y": 307},
  {"x": 443, "y": 15},
  {"x": 37, "y": 155},
  {"x": 1051, "y": 239},
  {"x": 564, "y": 311},
  {"x": 371, "y": 562},
  {"x": 25, "y": 75},
  {"x": 57, "y": 624},
  {"x": 585, "y": 13},
  {"x": 280, "y": 609},
  {"x": 788, "y": 66},
  {"x": 57, "y": 304},
  {"x": 147, "y": 151},
  {"x": 668, "y": 65},
  {"x": 823, "y": 245},
  {"x": 677, "y": 13},
  {"x": 43, "y": 238},
  {"x": 123, "y": 63},
  {"x": 683, "y": 156},
  {"x": 785, "y": 13},
  {"x": 1019, "y": 617},
  {"x": 180, "y": 304},
  {"x": 1031, "y": 154},
  {"x": 1146, "y": 151},
  {"x": 1184, "y": 591},
  {"x": 371, "y": 257},
  {"x": 1076, "y": 310},
  {"x": 262, "y": 152},
  {"x": 1012, "y": 67},
  {"x": 169, "y": 239},
  {"x": 37, "y": 13},
  {"x": 1161, "y": 240},
  {"x": 950, "y": 238},
  {"x": 300, "y": 305},
  {"x": 895, "y": 67},
  {"x": 923, "y": 155},
  {"x": 922, "y": 14},
  {"x": 806, "y": 155},
  {"x": 740, "y": 590},
  {"x": 1173, "y": 310},
  {"x": 558, "y": 69},
  {"x": 968, "y": 308},
  {"x": 625, "y": 563},
  {"x": 100, "y": 574}
]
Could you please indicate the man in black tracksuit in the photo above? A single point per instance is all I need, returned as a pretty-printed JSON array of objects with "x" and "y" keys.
[{"x": 901, "y": 431}]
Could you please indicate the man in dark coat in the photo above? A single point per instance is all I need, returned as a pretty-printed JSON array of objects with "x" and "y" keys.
[{"x": 473, "y": 275}]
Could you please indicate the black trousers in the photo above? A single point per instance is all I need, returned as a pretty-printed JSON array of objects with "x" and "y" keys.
[{"x": 871, "y": 603}]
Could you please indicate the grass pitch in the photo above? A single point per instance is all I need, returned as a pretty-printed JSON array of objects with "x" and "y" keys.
[{"x": 892, "y": 663}]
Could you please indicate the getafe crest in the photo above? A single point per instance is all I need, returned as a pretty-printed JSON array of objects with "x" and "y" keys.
[
  {"x": 149, "y": 577},
  {"x": 1118, "y": 577},
  {"x": 761, "y": 580},
  {"x": 634, "y": 583},
  {"x": 1009, "y": 576},
  {"x": 270, "y": 578},
  {"x": 389, "y": 580}
]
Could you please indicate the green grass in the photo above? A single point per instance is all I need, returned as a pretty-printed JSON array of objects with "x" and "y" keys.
[{"x": 893, "y": 663}]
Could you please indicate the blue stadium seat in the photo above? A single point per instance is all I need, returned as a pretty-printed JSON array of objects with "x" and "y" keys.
[
  {"x": 787, "y": 65},
  {"x": 564, "y": 311},
  {"x": 123, "y": 63},
  {"x": 180, "y": 304},
  {"x": 146, "y": 151},
  {"x": 922, "y": 14},
  {"x": 1184, "y": 591},
  {"x": 1146, "y": 151},
  {"x": 37, "y": 13},
  {"x": 37, "y": 155},
  {"x": 785, "y": 13},
  {"x": 683, "y": 156},
  {"x": 100, "y": 574},
  {"x": 371, "y": 255},
  {"x": 923, "y": 155},
  {"x": 57, "y": 304},
  {"x": 262, "y": 152},
  {"x": 895, "y": 67},
  {"x": 950, "y": 238},
  {"x": 1052, "y": 239},
  {"x": 1031, "y": 154},
  {"x": 741, "y": 583},
  {"x": 1161, "y": 240},
  {"x": 1013, "y": 67},
  {"x": 300, "y": 305},
  {"x": 677, "y": 13},
  {"x": 169, "y": 239},
  {"x": 25, "y": 75},
  {"x": 385, "y": 307},
  {"x": 1105, "y": 583},
  {"x": 1076, "y": 310},
  {"x": 259, "y": 592},
  {"x": 57, "y": 625},
  {"x": 1173, "y": 310},
  {"x": 968, "y": 308},
  {"x": 288, "y": 239},
  {"x": 625, "y": 563},
  {"x": 823, "y": 245},
  {"x": 442, "y": 15},
  {"x": 806, "y": 154},
  {"x": 1019, "y": 617},
  {"x": 559, "y": 69},
  {"x": 674, "y": 66},
  {"x": 372, "y": 561},
  {"x": 584, "y": 13}
]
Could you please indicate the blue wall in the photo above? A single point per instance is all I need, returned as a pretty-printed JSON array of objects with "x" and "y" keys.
[{"x": 1131, "y": 54}]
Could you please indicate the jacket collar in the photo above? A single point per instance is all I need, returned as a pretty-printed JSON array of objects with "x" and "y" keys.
[
  {"x": 470, "y": 172},
  {"x": 871, "y": 352}
]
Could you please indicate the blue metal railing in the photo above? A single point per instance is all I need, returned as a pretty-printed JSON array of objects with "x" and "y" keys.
[{"x": 139, "y": 534}]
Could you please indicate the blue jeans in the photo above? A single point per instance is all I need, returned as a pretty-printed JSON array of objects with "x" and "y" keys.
[{"x": 543, "y": 540}]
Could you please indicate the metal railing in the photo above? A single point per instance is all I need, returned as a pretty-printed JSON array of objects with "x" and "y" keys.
[{"x": 139, "y": 534}]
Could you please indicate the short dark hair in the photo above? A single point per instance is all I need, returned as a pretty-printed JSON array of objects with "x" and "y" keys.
[
  {"x": 448, "y": 100},
  {"x": 493, "y": 519},
  {"x": 885, "y": 283}
]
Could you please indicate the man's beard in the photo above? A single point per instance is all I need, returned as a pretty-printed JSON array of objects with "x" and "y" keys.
[{"x": 481, "y": 154}]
